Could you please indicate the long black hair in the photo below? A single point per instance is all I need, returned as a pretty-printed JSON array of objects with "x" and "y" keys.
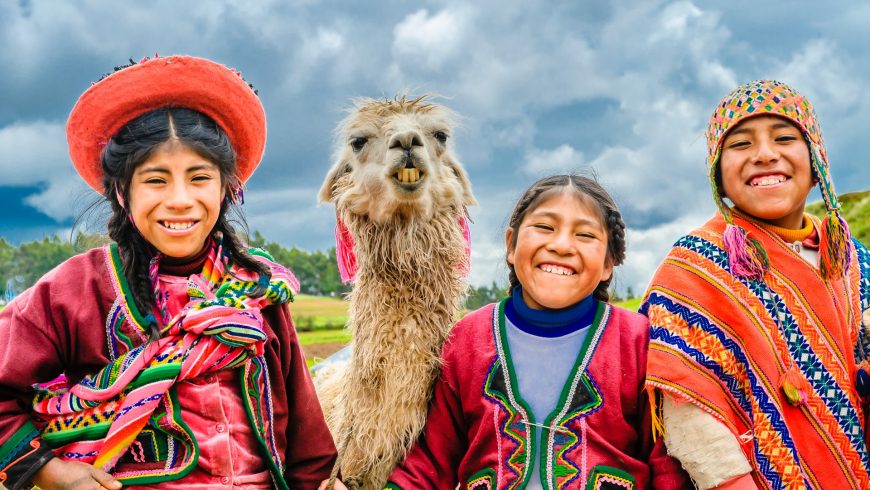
[
  {"x": 591, "y": 190},
  {"x": 134, "y": 144}
]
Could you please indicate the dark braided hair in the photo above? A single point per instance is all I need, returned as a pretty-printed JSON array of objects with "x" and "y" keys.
[
  {"x": 589, "y": 189},
  {"x": 134, "y": 144}
]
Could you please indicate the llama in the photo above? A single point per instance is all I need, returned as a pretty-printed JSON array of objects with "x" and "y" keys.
[{"x": 401, "y": 199}]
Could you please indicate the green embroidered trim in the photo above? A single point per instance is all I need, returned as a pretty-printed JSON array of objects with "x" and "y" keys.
[
  {"x": 515, "y": 400},
  {"x": 608, "y": 478},
  {"x": 578, "y": 378},
  {"x": 118, "y": 270},
  {"x": 392, "y": 486},
  {"x": 482, "y": 480},
  {"x": 19, "y": 439},
  {"x": 251, "y": 397}
]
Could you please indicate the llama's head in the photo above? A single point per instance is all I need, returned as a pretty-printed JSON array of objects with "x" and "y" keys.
[{"x": 395, "y": 159}]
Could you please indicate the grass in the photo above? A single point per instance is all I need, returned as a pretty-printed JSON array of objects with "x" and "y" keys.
[
  {"x": 629, "y": 304},
  {"x": 311, "y": 313},
  {"x": 324, "y": 337}
]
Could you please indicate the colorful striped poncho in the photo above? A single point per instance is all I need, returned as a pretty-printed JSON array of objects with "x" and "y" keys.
[
  {"x": 716, "y": 342},
  {"x": 96, "y": 420}
]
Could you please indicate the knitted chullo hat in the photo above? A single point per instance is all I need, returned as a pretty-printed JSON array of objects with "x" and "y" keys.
[{"x": 767, "y": 97}]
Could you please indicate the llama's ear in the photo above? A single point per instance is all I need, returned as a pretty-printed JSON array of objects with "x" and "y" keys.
[
  {"x": 327, "y": 190},
  {"x": 459, "y": 171}
]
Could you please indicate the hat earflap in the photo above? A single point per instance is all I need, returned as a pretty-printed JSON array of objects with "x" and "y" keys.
[
  {"x": 746, "y": 257},
  {"x": 835, "y": 240}
]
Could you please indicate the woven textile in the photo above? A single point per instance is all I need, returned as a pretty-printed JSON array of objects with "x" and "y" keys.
[
  {"x": 724, "y": 342},
  {"x": 221, "y": 327}
]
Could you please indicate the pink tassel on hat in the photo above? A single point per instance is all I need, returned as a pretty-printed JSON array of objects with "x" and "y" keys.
[
  {"x": 745, "y": 255},
  {"x": 344, "y": 253}
]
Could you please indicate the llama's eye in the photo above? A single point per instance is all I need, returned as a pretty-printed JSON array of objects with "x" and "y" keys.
[
  {"x": 441, "y": 136},
  {"x": 358, "y": 143}
]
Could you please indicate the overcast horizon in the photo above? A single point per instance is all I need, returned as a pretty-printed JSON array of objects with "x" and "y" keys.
[{"x": 622, "y": 88}]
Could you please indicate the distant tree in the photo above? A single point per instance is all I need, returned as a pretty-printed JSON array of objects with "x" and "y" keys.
[
  {"x": 34, "y": 259},
  {"x": 484, "y": 295},
  {"x": 7, "y": 264}
]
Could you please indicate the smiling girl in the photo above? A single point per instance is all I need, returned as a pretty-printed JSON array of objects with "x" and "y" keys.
[
  {"x": 545, "y": 388},
  {"x": 167, "y": 358},
  {"x": 757, "y": 334}
]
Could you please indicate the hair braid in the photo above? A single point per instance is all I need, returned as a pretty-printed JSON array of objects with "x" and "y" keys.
[{"x": 615, "y": 249}]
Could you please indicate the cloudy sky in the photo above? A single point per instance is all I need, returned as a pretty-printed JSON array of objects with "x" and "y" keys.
[{"x": 622, "y": 87}]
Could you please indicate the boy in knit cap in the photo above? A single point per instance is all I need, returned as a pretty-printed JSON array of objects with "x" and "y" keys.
[{"x": 758, "y": 355}]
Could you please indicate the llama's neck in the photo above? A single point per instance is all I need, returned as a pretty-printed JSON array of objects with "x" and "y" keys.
[{"x": 409, "y": 275}]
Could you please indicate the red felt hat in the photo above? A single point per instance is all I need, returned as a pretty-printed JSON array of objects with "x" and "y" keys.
[{"x": 172, "y": 81}]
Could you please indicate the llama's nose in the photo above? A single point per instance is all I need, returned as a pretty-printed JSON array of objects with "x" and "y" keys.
[{"x": 406, "y": 140}]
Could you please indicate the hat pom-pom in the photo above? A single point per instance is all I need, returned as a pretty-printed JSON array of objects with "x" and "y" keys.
[
  {"x": 835, "y": 245},
  {"x": 344, "y": 254},
  {"x": 745, "y": 255}
]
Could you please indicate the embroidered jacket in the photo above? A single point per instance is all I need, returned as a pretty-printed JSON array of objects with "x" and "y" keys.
[
  {"x": 80, "y": 316},
  {"x": 725, "y": 343},
  {"x": 480, "y": 435}
]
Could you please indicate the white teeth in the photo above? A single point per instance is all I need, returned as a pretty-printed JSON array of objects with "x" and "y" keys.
[
  {"x": 765, "y": 181},
  {"x": 178, "y": 226},
  {"x": 555, "y": 269}
]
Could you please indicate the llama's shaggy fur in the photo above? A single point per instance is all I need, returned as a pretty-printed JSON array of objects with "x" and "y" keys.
[{"x": 411, "y": 255}]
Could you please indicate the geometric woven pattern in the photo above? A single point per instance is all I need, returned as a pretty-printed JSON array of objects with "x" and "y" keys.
[{"x": 724, "y": 342}]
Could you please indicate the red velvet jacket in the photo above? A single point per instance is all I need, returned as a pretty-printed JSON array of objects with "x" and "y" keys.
[
  {"x": 478, "y": 433},
  {"x": 80, "y": 315}
]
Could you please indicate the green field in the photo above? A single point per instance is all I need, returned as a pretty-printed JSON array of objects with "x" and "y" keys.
[
  {"x": 324, "y": 337},
  {"x": 318, "y": 312}
]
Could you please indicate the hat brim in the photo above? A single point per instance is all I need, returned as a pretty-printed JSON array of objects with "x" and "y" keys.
[{"x": 173, "y": 81}]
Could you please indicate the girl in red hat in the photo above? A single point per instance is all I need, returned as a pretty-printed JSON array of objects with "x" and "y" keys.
[{"x": 169, "y": 355}]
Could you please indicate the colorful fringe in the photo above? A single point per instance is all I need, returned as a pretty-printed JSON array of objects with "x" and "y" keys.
[{"x": 220, "y": 328}]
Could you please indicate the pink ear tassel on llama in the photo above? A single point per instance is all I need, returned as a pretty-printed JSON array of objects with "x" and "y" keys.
[
  {"x": 344, "y": 254},
  {"x": 465, "y": 268},
  {"x": 742, "y": 254}
]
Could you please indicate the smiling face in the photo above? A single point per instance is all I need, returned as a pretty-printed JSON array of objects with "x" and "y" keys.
[
  {"x": 175, "y": 199},
  {"x": 765, "y": 168},
  {"x": 560, "y": 251}
]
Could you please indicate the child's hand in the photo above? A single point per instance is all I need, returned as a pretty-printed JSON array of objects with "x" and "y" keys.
[
  {"x": 338, "y": 485},
  {"x": 72, "y": 475}
]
